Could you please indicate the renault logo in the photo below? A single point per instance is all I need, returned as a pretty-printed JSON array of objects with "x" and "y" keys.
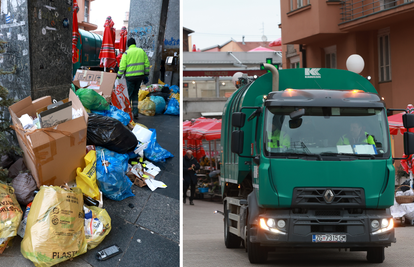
[{"x": 328, "y": 196}]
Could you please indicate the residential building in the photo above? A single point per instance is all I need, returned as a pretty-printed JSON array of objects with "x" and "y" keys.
[
  {"x": 84, "y": 16},
  {"x": 234, "y": 46},
  {"x": 323, "y": 34},
  {"x": 187, "y": 44}
]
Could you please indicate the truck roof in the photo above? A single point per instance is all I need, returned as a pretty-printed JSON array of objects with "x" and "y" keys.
[{"x": 324, "y": 98}]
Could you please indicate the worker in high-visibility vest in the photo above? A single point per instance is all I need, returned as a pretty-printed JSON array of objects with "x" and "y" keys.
[
  {"x": 356, "y": 136},
  {"x": 135, "y": 66}
]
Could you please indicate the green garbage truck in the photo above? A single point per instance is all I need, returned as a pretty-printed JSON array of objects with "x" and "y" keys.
[{"x": 306, "y": 162}]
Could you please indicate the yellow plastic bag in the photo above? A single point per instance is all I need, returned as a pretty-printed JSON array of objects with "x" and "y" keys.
[
  {"x": 55, "y": 226},
  {"x": 147, "y": 107},
  {"x": 86, "y": 179},
  {"x": 10, "y": 212},
  {"x": 142, "y": 94},
  {"x": 97, "y": 225},
  {"x": 161, "y": 82}
]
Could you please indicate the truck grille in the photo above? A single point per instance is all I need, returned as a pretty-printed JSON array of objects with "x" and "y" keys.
[{"x": 328, "y": 198}]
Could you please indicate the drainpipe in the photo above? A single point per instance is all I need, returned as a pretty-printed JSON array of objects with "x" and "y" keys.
[
  {"x": 231, "y": 54},
  {"x": 303, "y": 50},
  {"x": 275, "y": 76}
]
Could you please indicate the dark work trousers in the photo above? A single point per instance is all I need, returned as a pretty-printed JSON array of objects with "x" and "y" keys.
[
  {"x": 133, "y": 89},
  {"x": 192, "y": 190}
]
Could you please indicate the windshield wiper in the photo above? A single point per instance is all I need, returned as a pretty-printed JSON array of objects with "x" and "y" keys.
[
  {"x": 348, "y": 154},
  {"x": 298, "y": 154}
]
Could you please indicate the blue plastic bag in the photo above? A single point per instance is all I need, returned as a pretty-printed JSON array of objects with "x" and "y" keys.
[
  {"x": 154, "y": 152},
  {"x": 173, "y": 107},
  {"x": 110, "y": 174},
  {"x": 175, "y": 88},
  {"x": 159, "y": 104},
  {"x": 115, "y": 113}
]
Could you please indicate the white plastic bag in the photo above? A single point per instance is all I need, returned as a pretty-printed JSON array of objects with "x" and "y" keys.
[{"x": 120, "y": 97}]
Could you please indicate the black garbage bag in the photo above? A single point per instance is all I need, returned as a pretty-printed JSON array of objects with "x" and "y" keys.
[
  {"x": 7, "y": 160},
  {"x": 163, "y": 95},
  {"x": 111, "y": 134},
  {"x": 24, "y": 187}
]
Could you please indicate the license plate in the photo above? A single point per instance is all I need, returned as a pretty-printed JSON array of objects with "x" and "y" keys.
[{"x": 328, "y": 238}]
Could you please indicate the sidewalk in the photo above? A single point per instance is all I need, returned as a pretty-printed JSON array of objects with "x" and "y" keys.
[{"x": 148, "y": 233}]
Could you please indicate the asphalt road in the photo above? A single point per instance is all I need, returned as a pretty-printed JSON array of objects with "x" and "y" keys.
[{"x": 203, "y": 245}]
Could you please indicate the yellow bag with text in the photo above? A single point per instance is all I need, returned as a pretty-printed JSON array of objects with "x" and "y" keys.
[
  {"x": 55, "y": 226},
  {"x": 86, "y": 179},
  {"x": 97, "y": 225},
  {"x": 10, "y": 212}
]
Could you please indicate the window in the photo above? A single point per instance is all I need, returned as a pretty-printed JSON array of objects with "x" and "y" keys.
[
  {"x": 384, "y": 55},
  {"x": 330, "y": 57},
  {"x": 385, "y": 4},
  {"x": 294, "y": 62},
  {"x": 86, "y": 16},
  {"x": 291, "y": 5},
  {"x": 300, "y": 3}
]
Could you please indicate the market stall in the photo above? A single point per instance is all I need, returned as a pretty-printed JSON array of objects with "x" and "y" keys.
[{"x": 194, "y": 132}]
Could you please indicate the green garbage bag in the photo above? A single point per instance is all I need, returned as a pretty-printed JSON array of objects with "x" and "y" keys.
[{"x": 91, "y": 99}]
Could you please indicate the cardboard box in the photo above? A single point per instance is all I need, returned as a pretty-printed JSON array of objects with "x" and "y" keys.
[
  {"x": 51, "y": 154},
  {"x": 102, "y": 82}
]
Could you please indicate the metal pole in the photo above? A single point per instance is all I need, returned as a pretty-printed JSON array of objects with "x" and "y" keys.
[
  {"x": 215, "y": 152},
  {"x": 211, "y": 159}
]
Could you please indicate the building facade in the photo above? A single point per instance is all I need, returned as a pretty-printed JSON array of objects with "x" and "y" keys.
[
  {"x": 323, "y": 34},
  {"x": 84, "y": 15}
]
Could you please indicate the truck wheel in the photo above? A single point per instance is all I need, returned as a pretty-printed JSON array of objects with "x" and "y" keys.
[
  {"x": 230, "y": 239},
  {"x": 376, "y": 255},
  {"x": 256, "y": 253}
]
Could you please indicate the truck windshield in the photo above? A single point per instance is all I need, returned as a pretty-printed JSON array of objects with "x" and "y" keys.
[{"x": 326, "y": 131}]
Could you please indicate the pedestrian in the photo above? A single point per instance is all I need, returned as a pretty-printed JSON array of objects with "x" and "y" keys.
[
  {"x": 135, "y": 65},
  {"x": 190, "y": 176}
]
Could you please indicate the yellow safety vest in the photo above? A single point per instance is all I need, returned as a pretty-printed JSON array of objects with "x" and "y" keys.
[
  {"x": 278, "y": 139},
  {"x": 345, "y": 141},
  {"x": 134, "y": 62}
]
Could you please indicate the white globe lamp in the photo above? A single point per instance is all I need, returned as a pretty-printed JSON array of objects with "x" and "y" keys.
[
  {"x": 236, "y": 77},
  {"x": 355, "y": 63}
]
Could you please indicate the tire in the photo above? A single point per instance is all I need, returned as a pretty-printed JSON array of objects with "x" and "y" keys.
[
  {"x": 256, "y": 253},
  {"x": 230, "y": 240},
  {"x": 375, "y": 255}
]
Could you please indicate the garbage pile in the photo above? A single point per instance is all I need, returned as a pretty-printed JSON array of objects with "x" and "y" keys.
[
  {"x": 75, "y": 151},
  {"x": 159, "y": 99},
  {"x": 403, "y": 203}
]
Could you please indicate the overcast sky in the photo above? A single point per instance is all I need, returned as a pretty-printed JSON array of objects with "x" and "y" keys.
[
  {"x": 217, "y": 21},
  {"x": 100, "y": 9}
]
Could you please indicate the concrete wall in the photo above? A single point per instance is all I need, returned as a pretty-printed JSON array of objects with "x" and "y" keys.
[
  {"x": 147, "y": 22},
  {"x": 42, "y": 53}
]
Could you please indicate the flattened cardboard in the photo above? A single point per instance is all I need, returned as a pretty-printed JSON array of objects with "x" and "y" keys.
[
  {"x": 96, "y": 79},
  {"x": 55, "y": 116},
  {"x": 57, "y": 152}
]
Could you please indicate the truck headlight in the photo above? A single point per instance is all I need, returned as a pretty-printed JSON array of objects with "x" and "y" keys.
[
  {"x": 281, "y": 223},
  {"x": 264, "y": 224},
  {"x": 375, "y": 224},
  {"x": 271, "y": 223},
  {"x": 386, "y": 225}
]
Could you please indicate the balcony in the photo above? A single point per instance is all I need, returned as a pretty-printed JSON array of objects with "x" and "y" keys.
[{"x": 352, "y": 10}]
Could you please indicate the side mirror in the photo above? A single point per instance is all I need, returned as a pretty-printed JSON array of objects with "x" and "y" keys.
[
  {"x": 408, "y": 143},
  {"x": 408, "y": 121},
  {"x": 237, "y": 138},
  {"x": 296, "y": 123},
  {"x": 238, "y": 119}
]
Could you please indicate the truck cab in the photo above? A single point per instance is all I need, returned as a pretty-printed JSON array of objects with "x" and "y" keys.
[{"x": 307, "y": 162}]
